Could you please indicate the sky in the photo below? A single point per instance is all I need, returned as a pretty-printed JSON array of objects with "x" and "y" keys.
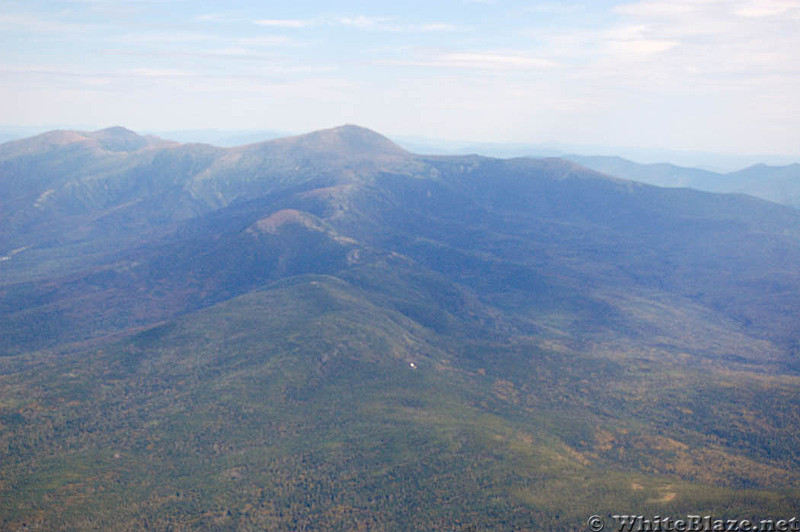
[{"x": 705, "y": 75}]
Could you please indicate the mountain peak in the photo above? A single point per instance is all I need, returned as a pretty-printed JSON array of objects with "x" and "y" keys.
[
  {"x": 117, "y": 131},
  {"x": 347, "y": 139},
  {"x": 118, "y": 138}
]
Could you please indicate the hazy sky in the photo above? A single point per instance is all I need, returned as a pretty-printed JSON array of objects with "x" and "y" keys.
[{"x": 682, "y": 74}]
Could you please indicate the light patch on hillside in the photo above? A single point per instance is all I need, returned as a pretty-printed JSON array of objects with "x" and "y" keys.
[
  {"x": 13, "y": 252},
  {"x": 42, "y": 199}
]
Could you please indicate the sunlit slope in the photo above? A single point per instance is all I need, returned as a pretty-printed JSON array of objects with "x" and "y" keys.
[{"x": 298, "y": 405}]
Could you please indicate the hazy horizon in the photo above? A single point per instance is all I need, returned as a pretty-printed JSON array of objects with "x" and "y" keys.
[{"x": 713, "y": 161}]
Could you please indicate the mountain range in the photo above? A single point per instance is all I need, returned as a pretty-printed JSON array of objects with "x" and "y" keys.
[
  {"x": 779, "y": 184},
  {"x": 330, "y": 332}
]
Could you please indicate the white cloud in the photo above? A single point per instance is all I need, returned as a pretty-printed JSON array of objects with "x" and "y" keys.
[
  {"x": 266, "y": 41},
  {"x": 233, "y": 52},
  {"x": 161, "y": 73},
  {"x": 634, "y": 42},
  {"x": 554, "y": 8},
  {"x": 127, "y": 1},
  {"x": 434, "y": 27},
  {"x": 36, "y": 23},
  {"x": 362, "y": 21},
  {"x": 390, "y": 25},
  {"x": 493, "y": 61},
  {"x": 639, "y": 48},
  {"x": 480, "y": 61},
  {"x": 714, "y": 43},
  {"x": 286, "y": 23},
  {"x": 213, "y": 17},
  {"x": 768, "y": 8},
  {"x": 160, "y": 38},
  {"x": 660, "y": 9},
  {"x": 677, "y": 70}
]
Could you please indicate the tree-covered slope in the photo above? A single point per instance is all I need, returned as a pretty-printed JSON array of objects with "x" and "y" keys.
[{"x": 346, "y": 336}]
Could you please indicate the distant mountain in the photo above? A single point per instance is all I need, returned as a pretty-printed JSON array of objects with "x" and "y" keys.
[
  {"x": 221, "y": 137},
  {"x": 718, "y": 162},
  {"x": 779, "y": 184},
  {"x": 330, "y": 332}
]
